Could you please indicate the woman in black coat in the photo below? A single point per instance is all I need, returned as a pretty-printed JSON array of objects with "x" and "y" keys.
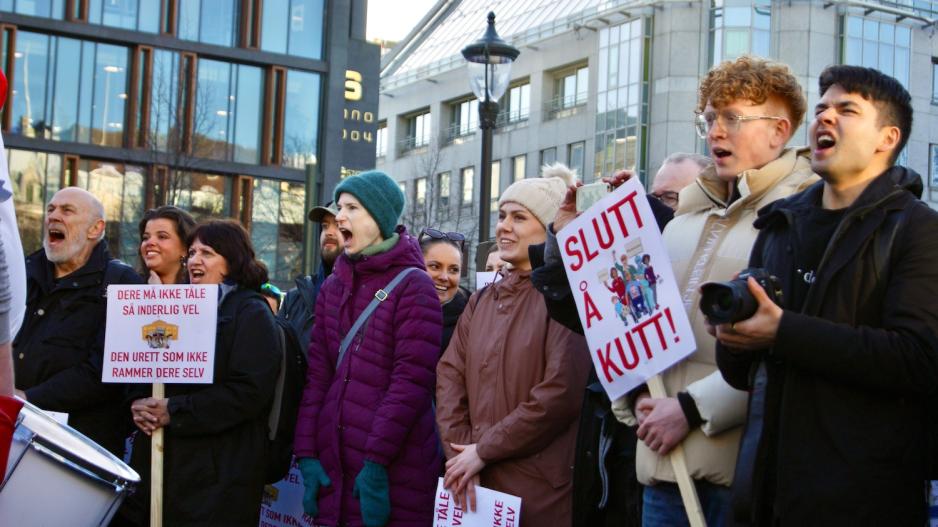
[
  {"x": 216, "y": 434},
  {"x": 442, "y": 254}
]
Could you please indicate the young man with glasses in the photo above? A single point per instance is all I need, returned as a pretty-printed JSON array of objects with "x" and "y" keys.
[{"x": 747, "y": 111}]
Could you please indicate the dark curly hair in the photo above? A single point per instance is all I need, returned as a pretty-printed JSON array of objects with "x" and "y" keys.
[
  {"x": 229, "y": 239},
  {"x": 184, "y": 223}
]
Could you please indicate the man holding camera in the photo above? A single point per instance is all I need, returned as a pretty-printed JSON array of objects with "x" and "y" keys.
[
  {"x": 843, "y": 375},
  {"x": 747, "y": 111}
]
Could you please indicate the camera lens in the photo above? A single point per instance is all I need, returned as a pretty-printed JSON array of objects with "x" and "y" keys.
[{"x": 727, "y": 302}]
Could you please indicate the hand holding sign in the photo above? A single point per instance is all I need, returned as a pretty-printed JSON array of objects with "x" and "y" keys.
[{"x": 625, "y": 291}]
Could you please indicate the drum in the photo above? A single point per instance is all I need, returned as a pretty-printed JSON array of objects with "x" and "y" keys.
[{"x": 57, "y": 476}]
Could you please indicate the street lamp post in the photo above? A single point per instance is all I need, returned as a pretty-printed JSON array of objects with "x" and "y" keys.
[{"x": 490, "y": 60}]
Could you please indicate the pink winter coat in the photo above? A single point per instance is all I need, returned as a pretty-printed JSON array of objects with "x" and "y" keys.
[{"x": 377, "y": 406}]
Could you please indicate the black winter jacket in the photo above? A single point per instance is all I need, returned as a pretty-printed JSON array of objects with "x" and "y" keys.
[
  {"x": 216, "y": 441},
  {"x": 836, "y": 433},
  {"x": 299, "y": 304},
  {"x": 58, "y": 352}
]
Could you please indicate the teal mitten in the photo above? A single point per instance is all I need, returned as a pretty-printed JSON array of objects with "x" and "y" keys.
[
  {"x": 372, "y": 490},
  {"x": 314, "y": 476}
]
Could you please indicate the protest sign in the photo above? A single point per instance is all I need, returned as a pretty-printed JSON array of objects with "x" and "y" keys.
[
  {"x": 484, "y": 278},
  {"x": 160, "y": 333},
  {"x": 493, "y": 509},
  {"x": 625, "y": 291},
  {"x": 282, "y": 502}
]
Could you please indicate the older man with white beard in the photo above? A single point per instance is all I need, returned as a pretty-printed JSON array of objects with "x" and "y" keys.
[{"x": 58, "y": 351}]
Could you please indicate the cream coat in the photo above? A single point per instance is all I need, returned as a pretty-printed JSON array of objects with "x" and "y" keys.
[{"x": 708, "y": 241}]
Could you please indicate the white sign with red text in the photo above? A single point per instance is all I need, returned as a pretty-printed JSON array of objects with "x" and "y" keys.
[
  {"x": 282, "y": 502},
  {"x": 625, "y": 292},
  {"x": 493, "y": 509},
  {"x": 160, "y": 333}
]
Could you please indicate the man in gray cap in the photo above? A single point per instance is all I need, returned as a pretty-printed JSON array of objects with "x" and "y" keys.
[{"x": 299, "y": 306}]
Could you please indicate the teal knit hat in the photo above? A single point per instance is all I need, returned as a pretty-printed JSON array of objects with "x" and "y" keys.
[{"x": 379, "y": 194}]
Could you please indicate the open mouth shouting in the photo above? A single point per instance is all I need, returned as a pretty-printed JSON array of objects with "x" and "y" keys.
[
  {"x": 196, "y": 275},
  {"x": 824, "y": 142},
  {"x": 720, "y": 153},
  {"x": 56, "y": 235},
  {"x": 346, "y": 237}
]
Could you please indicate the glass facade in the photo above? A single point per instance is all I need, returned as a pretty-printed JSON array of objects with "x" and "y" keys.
[
  {"x": 137, "y": 15},
  {"x": 69, "y": 90},
  {"x": 518, "y": 165},
  {"x": 228, "y": 111},
  {"x": 739, "y": 27},
  {"x": 518, "y": 103},
  {"x": 621, "y": 100},
  {"x": 207, "y": 21},
  {"x": 465, "y": 118},
  {"x": 467, "y": 175},
  {"x": 293, "y": 27},
  {"x": 277, "y": 226},
  {"x": 207, "y": 134},
  {"x": 418, "y": 131},
  {"x": 877, "y": 44},
  {"x": 442, "y": 189},
  {"x": 301, "y": 119}
]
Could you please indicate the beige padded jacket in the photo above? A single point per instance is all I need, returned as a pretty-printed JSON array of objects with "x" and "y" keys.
[{"x": 709, "y": 241}]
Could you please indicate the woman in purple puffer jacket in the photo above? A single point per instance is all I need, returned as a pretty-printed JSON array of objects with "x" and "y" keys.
[{"x": 366, "y": 441}]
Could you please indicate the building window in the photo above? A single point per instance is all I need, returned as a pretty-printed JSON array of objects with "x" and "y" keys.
[
  {"x": 227, "y": 123},
  {"x": 934, "y": 80},
  {"x": 301, "y": 119},
  {"x": 293, "y": 27},
  {"x": 739, "y": 27},
  {"x": 420, "y": 192},
  {"x": 465, "y": 119},
  {"x": 496, "y": 183},
  {"x": 39, "y": 8},
  {"x": 277, "y": 218},
  {"x": 208, "y": 21},
  {"x": 69, "y": 90},
  {"x": 442, "y": 188},
  {"x": 576, "y": 153},
  {"x": 403, "y": 187},
  {"x": 518, "y": 167},
  {"x": 467, "y": 175},
  {"x": 933, "y": 166},
  {"x": 571, "y": 88},
  {"x": 138, "y": 15},
  {"x": 381, "y": 140},
  {"x": 548, "y": 156},
  {"x": 517, "y": 104},
  {"x": 418, "y": 131},
  {"x": 621, "y": 100},
  {"x": 877, "y": 44},
  {"x": 35, "y": 177},
  {"x": 120, "y": 188}
]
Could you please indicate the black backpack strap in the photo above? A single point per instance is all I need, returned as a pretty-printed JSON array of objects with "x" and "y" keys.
[{"x": 884, "y": 241}]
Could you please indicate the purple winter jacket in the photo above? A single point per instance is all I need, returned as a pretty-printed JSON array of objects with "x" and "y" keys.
[{"x": 377, "y": 406}]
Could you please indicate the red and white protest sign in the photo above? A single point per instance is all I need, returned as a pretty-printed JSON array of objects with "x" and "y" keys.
[
  {"x": 160, "y": 333},
  {"x": 493, "y": 509},
  {"x": 625, "y": 291},
  {"x": 282, "y": 502}
]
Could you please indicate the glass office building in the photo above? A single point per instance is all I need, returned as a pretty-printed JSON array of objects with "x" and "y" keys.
[{"x": 220, "y": 107}]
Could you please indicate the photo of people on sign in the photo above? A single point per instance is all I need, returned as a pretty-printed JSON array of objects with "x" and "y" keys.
[
  {"x": 156, "y": 333},
  {"x": 625, "y": 291}
]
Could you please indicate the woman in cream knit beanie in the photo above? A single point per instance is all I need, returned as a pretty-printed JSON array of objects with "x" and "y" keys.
[{"x": 542, "y": 196}]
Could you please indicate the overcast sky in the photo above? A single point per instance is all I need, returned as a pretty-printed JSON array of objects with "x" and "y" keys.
[{"x": 393, "y": 19}]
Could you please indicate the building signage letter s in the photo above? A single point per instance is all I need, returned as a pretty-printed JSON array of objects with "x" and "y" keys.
[{"x": 353, "y": 85}]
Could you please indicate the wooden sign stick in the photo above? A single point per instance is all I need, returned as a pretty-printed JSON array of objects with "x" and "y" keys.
[
  {"x": 688, "y": 491},
  {"x": 156, "y": 466}
]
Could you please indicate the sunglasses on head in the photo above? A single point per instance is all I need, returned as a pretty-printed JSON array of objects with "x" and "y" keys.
[{"x": 440, "y": 235}]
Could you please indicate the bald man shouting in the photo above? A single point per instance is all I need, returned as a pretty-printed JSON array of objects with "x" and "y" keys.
[{"x": 58, "y": 352}]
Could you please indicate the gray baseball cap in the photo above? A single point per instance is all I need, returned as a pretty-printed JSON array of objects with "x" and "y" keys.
[{"x": 317, "y": 213}]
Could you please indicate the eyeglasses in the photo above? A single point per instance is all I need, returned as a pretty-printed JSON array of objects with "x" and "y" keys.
[
  {"x": 729, "y": 121},
  {"x": 667, "y": 197},
  {"x": 440, "y": 235}
]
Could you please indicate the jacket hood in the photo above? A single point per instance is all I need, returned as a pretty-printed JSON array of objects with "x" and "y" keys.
[
  {"x": 709, "y": 190},
  {"x": 406, "y": 253},
  {"x": 880, "y": 192}
]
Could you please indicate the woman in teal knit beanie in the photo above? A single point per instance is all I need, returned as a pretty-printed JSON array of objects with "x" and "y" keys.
[{"x": 366, "y": 440}]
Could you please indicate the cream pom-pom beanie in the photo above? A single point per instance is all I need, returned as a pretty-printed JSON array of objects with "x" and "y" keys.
[{"x": 542, "y": 196}]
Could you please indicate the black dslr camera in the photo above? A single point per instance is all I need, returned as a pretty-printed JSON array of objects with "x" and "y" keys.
[{"x": 730, "y": 302}]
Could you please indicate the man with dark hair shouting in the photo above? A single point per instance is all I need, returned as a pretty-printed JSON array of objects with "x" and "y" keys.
[{"x": 843, "y": 374}]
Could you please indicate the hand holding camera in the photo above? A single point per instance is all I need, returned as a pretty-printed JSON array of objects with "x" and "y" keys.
[{"x": 744, "y": 311}]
